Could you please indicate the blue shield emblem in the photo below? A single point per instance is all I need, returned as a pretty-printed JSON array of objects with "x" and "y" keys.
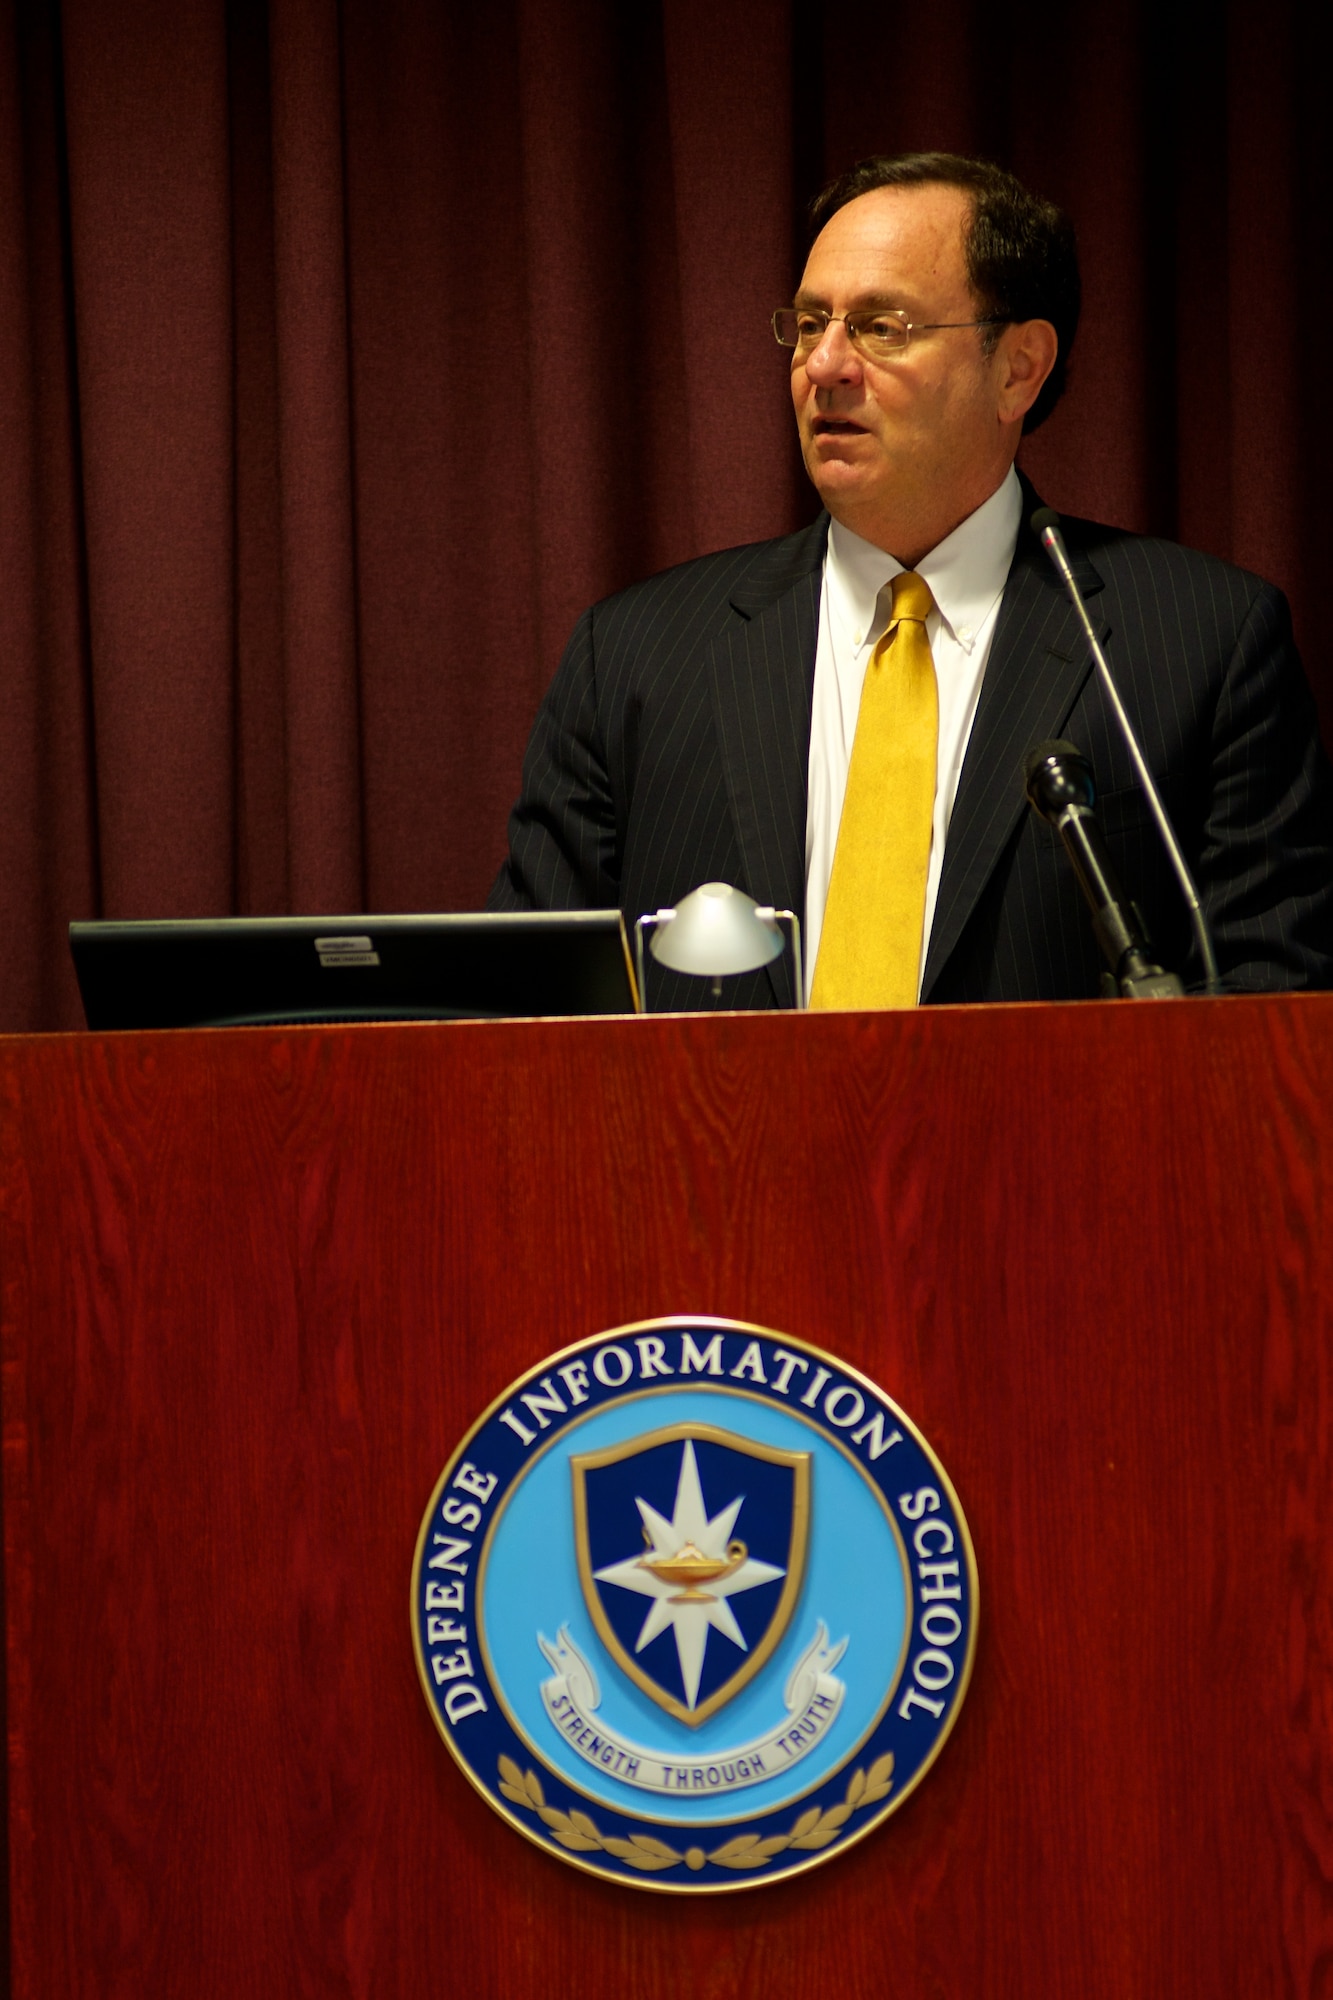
[{"x": 691, "y": 1546}]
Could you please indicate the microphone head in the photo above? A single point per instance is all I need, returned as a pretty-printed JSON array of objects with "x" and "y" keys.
[
  {"x": 1057, "y": 775},
  {"x": 1041, "y": 519}
]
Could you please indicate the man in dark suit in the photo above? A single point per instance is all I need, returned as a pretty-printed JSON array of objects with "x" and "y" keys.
[{"x": 745, "y": 717}]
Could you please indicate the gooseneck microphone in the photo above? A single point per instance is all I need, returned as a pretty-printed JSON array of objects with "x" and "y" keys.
[
  {"x": 1045, "y": 525},
  {"x": 1061, "y": 787}
]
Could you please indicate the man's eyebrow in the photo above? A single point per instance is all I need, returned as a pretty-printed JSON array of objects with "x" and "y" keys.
[{"x": 865, "y": 302}]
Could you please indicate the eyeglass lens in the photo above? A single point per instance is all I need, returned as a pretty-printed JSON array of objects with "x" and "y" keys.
[{"x": 875, "y": 332}]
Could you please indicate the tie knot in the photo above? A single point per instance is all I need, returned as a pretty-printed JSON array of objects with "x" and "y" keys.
[{"x": 911, "y": 597}]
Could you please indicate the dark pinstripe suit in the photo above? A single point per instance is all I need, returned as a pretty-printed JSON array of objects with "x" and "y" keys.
[{"x": 672, "y": 748}]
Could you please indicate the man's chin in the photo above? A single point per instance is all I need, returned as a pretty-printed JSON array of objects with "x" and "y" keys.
[{"x": 838, "y": 476}]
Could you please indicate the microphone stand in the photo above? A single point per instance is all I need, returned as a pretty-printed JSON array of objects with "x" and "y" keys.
[
  {"x": 1045, "y": 525},
  {"x": 1061, "y": 788}
]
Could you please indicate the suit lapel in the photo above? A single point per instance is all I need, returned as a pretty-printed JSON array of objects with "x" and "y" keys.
[
  {"x": 762, "y": 671},
  {"x": 1038, "y": 662}
]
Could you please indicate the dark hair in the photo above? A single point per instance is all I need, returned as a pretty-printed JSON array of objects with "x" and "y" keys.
[{"x": 1019, "y": 251}]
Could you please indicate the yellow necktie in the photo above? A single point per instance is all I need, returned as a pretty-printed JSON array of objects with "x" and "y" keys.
[{"x": 870, "y": 943}]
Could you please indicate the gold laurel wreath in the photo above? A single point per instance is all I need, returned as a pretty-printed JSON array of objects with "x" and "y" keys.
[{"x": 814, "y": 1828}]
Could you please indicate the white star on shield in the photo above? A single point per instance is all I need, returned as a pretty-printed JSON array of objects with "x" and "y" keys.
[{"x": 691, "y": 1551}]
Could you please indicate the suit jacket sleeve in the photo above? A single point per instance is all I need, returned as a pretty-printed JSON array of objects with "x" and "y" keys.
[
  {"x": 1266, "y": 853},
  {"x": 564, "y": 843}
]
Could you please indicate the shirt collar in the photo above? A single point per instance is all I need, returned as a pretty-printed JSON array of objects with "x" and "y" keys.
[{"x": 966, "y": 571}]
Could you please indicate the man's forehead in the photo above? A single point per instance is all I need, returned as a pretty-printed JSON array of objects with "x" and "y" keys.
[{"x": 890, "y": 247}]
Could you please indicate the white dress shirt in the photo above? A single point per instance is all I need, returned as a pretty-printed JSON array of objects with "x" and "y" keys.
[{"x": 966, "y": 574}]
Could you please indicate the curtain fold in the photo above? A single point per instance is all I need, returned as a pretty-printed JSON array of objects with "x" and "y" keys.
[
  {"x": 149, "y": 291},
  {"x": 315, "y": 380},
  {"x": 347, "y": 351}
]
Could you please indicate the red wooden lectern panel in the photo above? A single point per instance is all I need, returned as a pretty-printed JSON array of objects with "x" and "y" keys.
[{"x": 256, "y": 1284}]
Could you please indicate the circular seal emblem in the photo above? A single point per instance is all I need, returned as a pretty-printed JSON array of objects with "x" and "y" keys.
[{"x": 694, "y": 1605}]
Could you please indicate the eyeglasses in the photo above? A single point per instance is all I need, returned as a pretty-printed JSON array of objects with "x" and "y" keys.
[{"x": 876, "y": 334}]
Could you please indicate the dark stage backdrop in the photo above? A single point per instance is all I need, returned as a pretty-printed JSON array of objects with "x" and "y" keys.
[{"x": 347, "y": 351}]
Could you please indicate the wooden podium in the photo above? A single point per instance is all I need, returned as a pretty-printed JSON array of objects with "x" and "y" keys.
[{"x": 256, "y": 1284}]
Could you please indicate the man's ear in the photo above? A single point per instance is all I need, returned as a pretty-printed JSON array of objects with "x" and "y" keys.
[{"x": 1026, "y": 356}]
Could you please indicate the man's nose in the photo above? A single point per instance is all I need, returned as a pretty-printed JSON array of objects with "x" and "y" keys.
[{"x": 834, "y": 359}]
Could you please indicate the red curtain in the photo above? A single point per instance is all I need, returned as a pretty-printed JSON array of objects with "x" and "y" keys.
[{"x": 347, "y": 351}]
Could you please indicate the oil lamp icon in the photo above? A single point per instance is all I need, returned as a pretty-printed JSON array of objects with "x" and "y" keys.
[{"x": 692, "y": 1568}]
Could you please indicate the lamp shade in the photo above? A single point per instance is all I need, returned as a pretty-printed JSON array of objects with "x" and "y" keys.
[{"x": 716, "y": 929}]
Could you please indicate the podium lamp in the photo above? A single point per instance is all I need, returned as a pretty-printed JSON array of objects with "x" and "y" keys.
[{"x": 717, "y": 930}]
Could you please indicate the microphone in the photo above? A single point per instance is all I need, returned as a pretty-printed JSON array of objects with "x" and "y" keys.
[
  {"x": 1061, "y": 787},
  {"x": 1045, "y": 525}
]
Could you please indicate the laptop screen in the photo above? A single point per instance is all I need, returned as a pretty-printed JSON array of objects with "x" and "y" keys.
[{"x": 252, "y": 971}]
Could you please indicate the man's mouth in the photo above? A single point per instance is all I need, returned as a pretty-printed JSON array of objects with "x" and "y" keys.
[{"x": 837, "y": 427}]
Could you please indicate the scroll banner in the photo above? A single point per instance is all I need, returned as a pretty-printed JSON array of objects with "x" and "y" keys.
[{"x": 813, "y": 1696}]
